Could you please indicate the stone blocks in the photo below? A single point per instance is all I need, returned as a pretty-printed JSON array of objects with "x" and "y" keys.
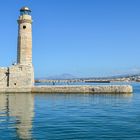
[{"x": 83, "y": 89}]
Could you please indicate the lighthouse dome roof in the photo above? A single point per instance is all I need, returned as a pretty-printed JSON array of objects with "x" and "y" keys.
[{"x": 25, "y": 8}]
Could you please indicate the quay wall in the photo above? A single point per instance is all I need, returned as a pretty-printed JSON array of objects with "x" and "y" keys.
[
  {"x": 15, "y": 90},
  {"x": 83, "y": 89}
]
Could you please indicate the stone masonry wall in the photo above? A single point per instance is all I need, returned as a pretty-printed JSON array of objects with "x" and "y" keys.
[
  {"x": 21, "y": 76},
  {"x": 3, "y": 77},
  {"x": 83, "y": 89},
  {"x": 16, "y": 77},
  {"x": 24, "y": 53}
]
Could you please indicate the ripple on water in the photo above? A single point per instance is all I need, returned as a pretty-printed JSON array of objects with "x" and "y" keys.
[{"x": 70, "y": 116}]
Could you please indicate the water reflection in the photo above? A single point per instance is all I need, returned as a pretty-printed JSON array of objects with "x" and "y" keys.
[
  {"x": 58, "y": 114},
  {"x": 19, "y": 107}
]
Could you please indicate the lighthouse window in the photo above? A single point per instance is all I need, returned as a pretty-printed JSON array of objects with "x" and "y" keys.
[
  {"x": 24, "y": 27},
  {"x": 25, "y": 13}
]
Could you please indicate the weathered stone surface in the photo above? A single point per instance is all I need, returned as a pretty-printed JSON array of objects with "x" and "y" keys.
[
  {"x": 24, "y": 53},
  {"x": 3, "y": 77},
  {"x": 15, "y": 90},
  {"x": 16, "y": 77},
  {"x": 20, "y": 77},
  {"x": 83, "y": 89}
]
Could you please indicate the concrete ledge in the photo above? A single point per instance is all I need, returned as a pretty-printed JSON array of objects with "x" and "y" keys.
[{"x": 83, "y": 89}]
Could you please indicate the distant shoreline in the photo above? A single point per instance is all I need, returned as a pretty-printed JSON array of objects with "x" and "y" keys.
[{"x": 85, "y": 80}]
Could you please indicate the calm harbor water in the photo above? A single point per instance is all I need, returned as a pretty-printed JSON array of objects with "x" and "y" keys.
[{"x": 70, "y": 116}]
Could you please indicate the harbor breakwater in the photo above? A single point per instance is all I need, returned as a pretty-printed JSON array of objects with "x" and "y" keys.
[
  {"x": 103, "y": 89},
  {"x": 83, "y": 89}
]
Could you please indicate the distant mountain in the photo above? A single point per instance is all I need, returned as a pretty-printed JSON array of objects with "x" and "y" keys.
[
  {"x": 67, "y": 76},
  {"x": 125, "y": 75},
  {"x": 59, "y": 77}
]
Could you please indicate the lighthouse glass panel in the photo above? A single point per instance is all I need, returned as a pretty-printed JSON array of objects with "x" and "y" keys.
[{"x": 25, "y": 13}]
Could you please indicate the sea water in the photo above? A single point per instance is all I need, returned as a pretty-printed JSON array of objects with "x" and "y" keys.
[{"x": 70, "y": 116}]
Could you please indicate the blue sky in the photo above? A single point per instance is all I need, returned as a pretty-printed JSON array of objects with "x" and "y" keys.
[{"x": 80, "y": 37}]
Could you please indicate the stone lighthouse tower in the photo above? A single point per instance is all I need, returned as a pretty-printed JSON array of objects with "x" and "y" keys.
[
  {"x": 24, "y": 48},
  {"x": 20, "y": 77}
]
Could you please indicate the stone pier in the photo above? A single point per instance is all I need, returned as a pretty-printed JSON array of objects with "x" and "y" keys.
[{"x": 115, "y": 89}]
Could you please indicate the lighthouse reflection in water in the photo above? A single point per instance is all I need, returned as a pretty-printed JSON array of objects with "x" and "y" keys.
[
  {"x": 70, "y": 116},
  {"x": 16, "y": 114}
]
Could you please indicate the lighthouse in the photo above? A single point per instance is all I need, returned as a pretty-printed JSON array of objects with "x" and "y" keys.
[
  {"x": 19, "y": 77},
  {"x": 24, "y": 47}
]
